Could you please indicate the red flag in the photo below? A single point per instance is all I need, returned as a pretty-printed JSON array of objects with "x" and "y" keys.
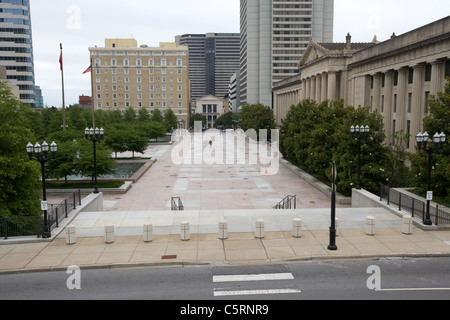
[
  {"x": 60, "y": 62},
  {"x": 88, "y": 70}
]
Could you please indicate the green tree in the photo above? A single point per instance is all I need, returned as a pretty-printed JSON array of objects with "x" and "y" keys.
[
  {"x": 157, "y": 116},
  {"x": 170, "y": 120},
  {"x": 313, "y": 136},
  {"x": 85, "y": 159},
  {"x": 257, "y": 117},
  {"x": 197, "y": 117},
  {"x": 227, "y": 120},
  {"x": 19, "y": 177},
  {"x": 437, "y": 121}
]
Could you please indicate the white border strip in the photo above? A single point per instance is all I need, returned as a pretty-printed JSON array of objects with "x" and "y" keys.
[
  {"x": 255, "y": 292},
  {"x": 254, "y": 277}
]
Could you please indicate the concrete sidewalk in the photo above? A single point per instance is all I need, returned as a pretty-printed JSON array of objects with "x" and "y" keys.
[{"x": 241, "y": 247}]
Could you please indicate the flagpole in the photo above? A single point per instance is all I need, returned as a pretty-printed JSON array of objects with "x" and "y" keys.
[
  {"x": 92, "y": 94},
  {"x": 62, "y": 80}
]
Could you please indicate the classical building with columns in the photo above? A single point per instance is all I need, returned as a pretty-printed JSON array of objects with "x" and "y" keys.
[{"x": 395, "y": 77}]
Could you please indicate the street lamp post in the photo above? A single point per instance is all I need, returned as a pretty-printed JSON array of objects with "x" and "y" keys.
[
  {"x": 359, "y": 133},
  {"x": 332, "y": 246},
  {"x": 422, "y": 143},
  {"x": 41, "y": 155},
  {"x": 95, "y": 135}
]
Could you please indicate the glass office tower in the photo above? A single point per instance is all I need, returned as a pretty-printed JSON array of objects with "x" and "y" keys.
[{"x": 16, "y": 48}]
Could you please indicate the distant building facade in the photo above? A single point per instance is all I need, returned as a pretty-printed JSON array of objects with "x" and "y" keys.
[
  {"x": 274, "y": 37},
  {"x": 127, "y": 76},
  {"x": 213, "y": 59},
  {"x": 395, "y": 77},
  {"x": 211, "y": 107},
  {"x": 16, "y": 50}
]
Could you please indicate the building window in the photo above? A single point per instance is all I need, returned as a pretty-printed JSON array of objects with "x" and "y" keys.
[
  {"x": 428, "y": 70},
  {"x": 410, "y": 75},
  {"x": 409, "y": 102}
]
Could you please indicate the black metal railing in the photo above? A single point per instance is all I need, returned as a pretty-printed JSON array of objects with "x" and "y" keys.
[
  {"x": 289, "y": 202},
  {"x": 34, "y": 226},
  {"x": 63, "y": 210},
  {"x": 177, "y": 204},
  {"x": 439, "y": 214},
  {"x": 21, "y": 227}
]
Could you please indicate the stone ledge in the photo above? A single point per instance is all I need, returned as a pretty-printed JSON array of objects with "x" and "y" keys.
[{"x": 326, "y": 190}]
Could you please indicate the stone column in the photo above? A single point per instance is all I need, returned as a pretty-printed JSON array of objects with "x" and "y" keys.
[
  {"x": 303, "y": 91},
  {"x": 318, "y": 88},
  {"x": 376, "y": 92},
  {"x": 401, "y": 99},
  {"x": 418, "y": 101},
  {"x": 313, "y": 88},
  {"x": 437, "y": 76},
  {"x": 308, "y": 89},
  {"x": 324, "y": 89},
  {"x": 388, "y": 103},
  {"x": 332, "y": 85}
]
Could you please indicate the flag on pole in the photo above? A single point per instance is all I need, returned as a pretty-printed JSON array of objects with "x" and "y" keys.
[
  {"x": 60, "y": 62},
  {"x": 88, "y": 70}
]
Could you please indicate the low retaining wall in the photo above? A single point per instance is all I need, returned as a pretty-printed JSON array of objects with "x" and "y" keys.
[
  {"x": 326, "y": 190},
  {"x": 364, "y": 199}
]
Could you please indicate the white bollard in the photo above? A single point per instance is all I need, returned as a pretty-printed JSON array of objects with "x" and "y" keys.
[
  {"x": 109, "y": 234},
  {"x": 185, "y": 231},
  {"x": 223, "y": 230},
  {"x": 71, "y": 234},
  {"x": 297, "y": 228},
  {"x": 148, "y": 232},
  {"x": 407, "y": 224},
  {"x": 370, "y": 226},
  {"x": 259, "y": 232}
]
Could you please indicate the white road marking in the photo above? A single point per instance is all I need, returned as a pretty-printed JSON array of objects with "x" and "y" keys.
[
  {"x": 255, "y": 292},
  {"x": 254, "y": 277}
]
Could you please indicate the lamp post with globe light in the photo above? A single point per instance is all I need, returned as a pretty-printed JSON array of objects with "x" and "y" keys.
[
  {"x": 95, "y": 135},
  {"x": 40, "y": 153},
  {"x": 423, "y": 144},
  {"x": 359, "y": 133}
]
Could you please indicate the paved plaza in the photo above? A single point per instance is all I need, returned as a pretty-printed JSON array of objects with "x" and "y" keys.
[{"x": 205, "y": 184}]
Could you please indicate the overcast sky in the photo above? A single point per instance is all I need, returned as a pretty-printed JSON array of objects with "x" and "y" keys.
[{"x": 79, "y": 24}]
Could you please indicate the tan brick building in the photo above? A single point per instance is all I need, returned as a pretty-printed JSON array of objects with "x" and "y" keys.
[{"x": 127, "y": 76}]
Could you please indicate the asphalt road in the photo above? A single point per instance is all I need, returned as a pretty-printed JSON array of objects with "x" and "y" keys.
[{"x": 385, "y": 279}]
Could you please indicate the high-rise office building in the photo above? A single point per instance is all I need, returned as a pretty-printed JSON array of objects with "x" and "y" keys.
[
  {"x": 127, "y": 76},
  {"x": 274, "y": 37},
  {"x": 16, "y": 47},
  {"x": 213, "y": 59}
]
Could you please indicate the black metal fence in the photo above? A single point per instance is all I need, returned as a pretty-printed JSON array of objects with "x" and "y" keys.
[
  {"x": 289, "y": 202},
  {"x": 439, "y": 214},
  {"x": 34, "y": 226},
  {"x": 177, "y": 204},
  {"x": 61, "y": 211}
]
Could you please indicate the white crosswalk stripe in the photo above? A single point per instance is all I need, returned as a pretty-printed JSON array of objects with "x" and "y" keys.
[{"x": 223, "y": 292}]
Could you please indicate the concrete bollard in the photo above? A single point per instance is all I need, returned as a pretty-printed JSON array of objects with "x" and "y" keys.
[
  {"x": 259, "y": 232},
  {"x": 148, "y": 232},
  {"x": 71, "y": 234},
  {"x": 370, "y": 226},
  {"x": 223, "y": 230},
  {"x": 109, "y": 234},
  {"x": 297, "y": 228},
  {"x": 407, "y": 224},
  {"x": 185, "y": 231}
]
